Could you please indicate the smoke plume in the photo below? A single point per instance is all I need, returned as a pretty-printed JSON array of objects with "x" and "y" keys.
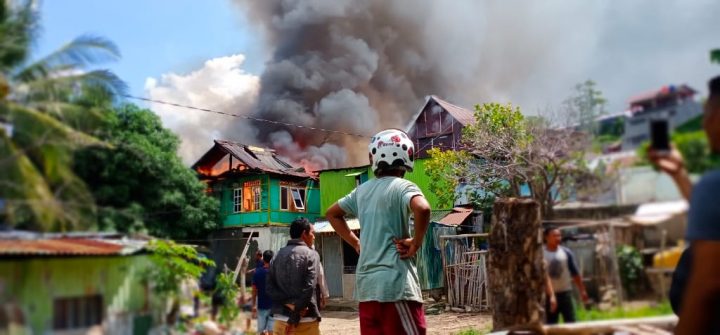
[{"x": 363, "y": 65}]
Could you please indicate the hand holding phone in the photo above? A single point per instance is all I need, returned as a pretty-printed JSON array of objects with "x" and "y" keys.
[{"x": 660, "y": 136}]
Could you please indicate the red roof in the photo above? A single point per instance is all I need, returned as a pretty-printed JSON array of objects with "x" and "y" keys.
[
  {"x": 681, "y": 90},
  {"x": 462, "y": 115},
  {"x": 457, "y": 217},
  {"x": 61, "y": 246}
]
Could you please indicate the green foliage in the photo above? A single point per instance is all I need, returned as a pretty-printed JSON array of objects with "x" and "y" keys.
[
  {"x": 663, "y": 308},
  {"x": 227, "y": 288},
  {"x": 139, "y": 182},
  {"x": 40, "y": 101},
  {"x": 692, "y": 125},
  {"x": 441, "y": 168},
  {"x": 694, "y": 148},
  {"x": 715, "y": 56},
  {"x": 172, "y": 264},
  {"x": 471, "y": 331},
  {"x": 586, "y": 105},
  {"x": 631, "y": 267}
]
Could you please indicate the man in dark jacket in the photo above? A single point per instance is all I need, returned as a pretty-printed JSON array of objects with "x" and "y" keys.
[{"x": 292, "y": 283}]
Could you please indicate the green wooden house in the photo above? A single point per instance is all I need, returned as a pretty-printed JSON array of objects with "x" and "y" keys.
[
  {"x": 81, "y": 283},
  {"x": 259, "y": 193}
]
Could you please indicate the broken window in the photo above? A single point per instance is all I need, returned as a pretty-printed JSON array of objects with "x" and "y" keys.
[
  {"x": 253, "y": 196},
  {"x": 292, "y": 199}
]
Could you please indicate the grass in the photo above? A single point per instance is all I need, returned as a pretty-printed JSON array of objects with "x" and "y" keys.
[
  {"x": 470, "y": 331},
  {"x": 619, "y": 313}
]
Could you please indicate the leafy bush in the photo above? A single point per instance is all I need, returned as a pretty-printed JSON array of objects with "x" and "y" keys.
[
  {"x": 631, "y": 267},
  {"x": 227, "y": 288}
]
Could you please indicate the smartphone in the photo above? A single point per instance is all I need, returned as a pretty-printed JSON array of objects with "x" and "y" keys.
[{"x": 660, "y": 135}]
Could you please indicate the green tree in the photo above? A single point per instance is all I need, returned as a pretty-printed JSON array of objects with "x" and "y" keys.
[
  {"x": 715, "y": 56},
  {"x": 505, "y": 152},
  {"x": 38, "y": 106},
  {"x": 585, "y": 106},
  {"x": 172, "y": 264},
  {"x": 139, "y": 182}
]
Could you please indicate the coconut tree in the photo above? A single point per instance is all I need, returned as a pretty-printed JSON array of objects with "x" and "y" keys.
[{"x": 44, "y": 118}]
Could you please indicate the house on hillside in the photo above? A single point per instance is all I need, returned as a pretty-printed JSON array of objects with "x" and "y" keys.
[
  {"x": 77, "y": 283},
  {"x": 438, "y": 124},
  {"x": 673, "y": 103},
  {"x": 259, "y": 193}
]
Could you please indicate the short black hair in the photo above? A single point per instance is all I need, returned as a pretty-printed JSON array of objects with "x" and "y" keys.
[
  {"x": 397, "y": 167},
  {"x": 298, "y": 226},
  {"x": 714, "y": 86},
  {"x": 549, "y": 229},
  {"x": 268, "y": 255}
]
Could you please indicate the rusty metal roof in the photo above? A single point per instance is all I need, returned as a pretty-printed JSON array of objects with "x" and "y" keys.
[
  {"x": 66, "y": 247},
  {"x": 262, "y": 159},
  {"x": 457, "y": 217},
  {"x": 462, "y": 115}
]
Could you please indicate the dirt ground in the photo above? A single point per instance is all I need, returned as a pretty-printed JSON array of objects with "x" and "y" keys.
[{"x": 445, "y": 323}]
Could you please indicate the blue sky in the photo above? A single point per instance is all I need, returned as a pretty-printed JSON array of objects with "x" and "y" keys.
[{"x": 155, "y": 37}]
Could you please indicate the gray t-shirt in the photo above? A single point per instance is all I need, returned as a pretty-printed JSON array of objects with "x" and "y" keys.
[
  {"x": 561, "y": 268},
  {"x": 382, "y": 206}
]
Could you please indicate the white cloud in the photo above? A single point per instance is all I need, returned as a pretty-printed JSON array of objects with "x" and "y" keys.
[{"x": 220, "y": 84}]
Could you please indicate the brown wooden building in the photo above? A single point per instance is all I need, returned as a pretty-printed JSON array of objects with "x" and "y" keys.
[{"x": 438, "y": 124}]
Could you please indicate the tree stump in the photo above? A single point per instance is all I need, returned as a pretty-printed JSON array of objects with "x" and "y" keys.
[{"x": 516, "y": 271}]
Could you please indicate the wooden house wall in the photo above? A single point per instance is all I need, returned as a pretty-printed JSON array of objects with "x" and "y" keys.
[
  {"x": 269, "y": 212},
  {"x": 435, "y": 127}
]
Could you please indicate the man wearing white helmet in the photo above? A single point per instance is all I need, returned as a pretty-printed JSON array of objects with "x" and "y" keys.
[{"x": 387, "y": 284}]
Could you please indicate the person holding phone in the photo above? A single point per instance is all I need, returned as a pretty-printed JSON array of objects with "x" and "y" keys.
[{"x": 695, "y": 291}]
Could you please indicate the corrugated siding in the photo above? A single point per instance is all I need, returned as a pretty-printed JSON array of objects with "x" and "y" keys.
[
  {"x": 429, "y": 259},
  {"x": 422, "y": 180},
  {"x": 335, "y": 185},
  {"x": 332, "y": 260},
  {"x": 279, "y": 237}
]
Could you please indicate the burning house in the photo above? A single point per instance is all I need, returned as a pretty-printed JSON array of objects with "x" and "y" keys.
[{"x": 259, "y": 193}]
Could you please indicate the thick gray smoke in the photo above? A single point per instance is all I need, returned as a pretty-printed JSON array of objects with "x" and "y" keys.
[{"x": 363, "y": 65}]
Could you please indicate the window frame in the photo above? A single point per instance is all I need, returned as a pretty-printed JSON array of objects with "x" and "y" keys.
[
  {"x": 254, "y": 188},
  {"x": 290, "y": 199},
  {"x": 237, "y": 199}
]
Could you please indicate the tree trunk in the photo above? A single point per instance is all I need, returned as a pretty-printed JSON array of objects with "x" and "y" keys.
[{"x": 516, "y": 270}]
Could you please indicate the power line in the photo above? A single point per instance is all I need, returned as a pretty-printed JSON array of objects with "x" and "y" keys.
[{"x": 207, "y": 110}]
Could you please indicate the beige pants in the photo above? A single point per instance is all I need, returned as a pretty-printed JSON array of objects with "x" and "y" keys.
[{"x": 304, "y": 328}]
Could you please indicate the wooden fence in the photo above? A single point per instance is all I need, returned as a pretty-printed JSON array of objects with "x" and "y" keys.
[{"x": 465, "y": 271}]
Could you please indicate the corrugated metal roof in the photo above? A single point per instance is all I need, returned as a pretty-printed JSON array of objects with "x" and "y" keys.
[
  {"x": 463, "y": 115},
  {"x": 258, "y": 158},
  {"x": 67, "y": 247},
  {"x": 324, "y": 227},
  {"x": 456, "y": 217}
]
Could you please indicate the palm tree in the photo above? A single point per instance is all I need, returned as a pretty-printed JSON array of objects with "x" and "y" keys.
[{"x": 45, "y": 121}]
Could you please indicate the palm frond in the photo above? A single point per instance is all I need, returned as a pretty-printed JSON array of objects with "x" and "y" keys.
[
  {"x": 18, "y": 28},
  {"x": 79, "y": 54},
  {"x": 66, "y": 86}
]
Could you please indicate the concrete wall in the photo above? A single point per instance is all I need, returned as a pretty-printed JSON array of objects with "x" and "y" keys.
[{"x": 637, "y": 128}]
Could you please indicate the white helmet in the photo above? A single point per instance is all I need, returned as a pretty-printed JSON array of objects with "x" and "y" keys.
[{"x": 391, "y": 146}]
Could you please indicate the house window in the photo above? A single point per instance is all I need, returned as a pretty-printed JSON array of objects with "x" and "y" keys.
[
  {"x": 237, "y": 200},
  {"x": 253, "y": 196},
  {"x": 77, "y": 312},
  {"x": 292, "y": 199}
]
